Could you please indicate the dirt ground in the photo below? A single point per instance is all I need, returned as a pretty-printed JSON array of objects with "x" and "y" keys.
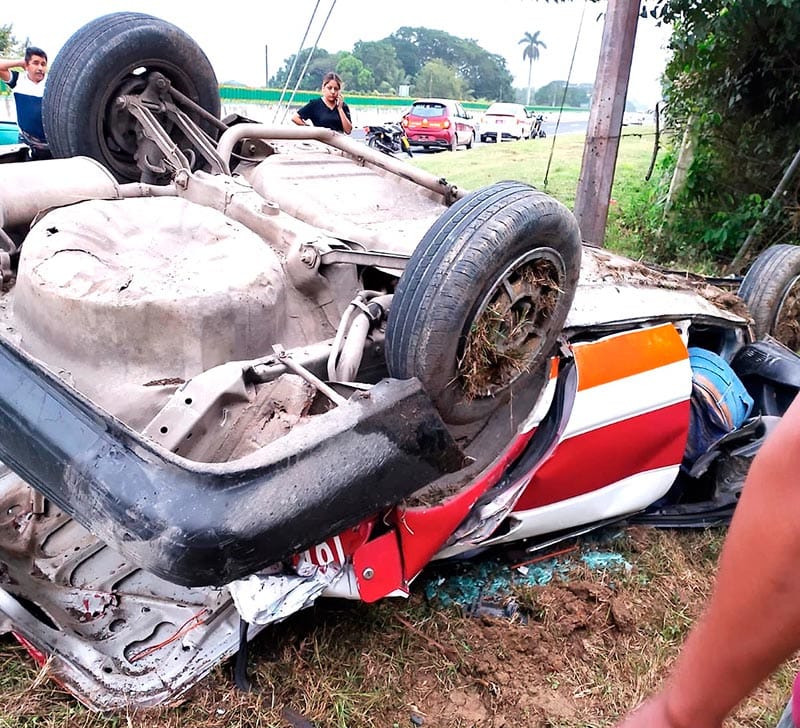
[{"x": 578, "y": 651}]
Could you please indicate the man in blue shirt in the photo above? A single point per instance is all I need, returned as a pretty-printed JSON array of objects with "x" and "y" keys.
[{"x": 28, "y": 88}]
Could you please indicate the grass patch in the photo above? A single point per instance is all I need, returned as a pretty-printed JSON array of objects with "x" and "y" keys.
[
  {"x": 528, "y": 160},
  {"x": 593, "y": 646}
]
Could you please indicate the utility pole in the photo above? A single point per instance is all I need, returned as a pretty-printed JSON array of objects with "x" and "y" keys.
[{"x": 605, "y": 119}]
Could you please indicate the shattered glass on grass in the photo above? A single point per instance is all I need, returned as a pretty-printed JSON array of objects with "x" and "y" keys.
[{"x": 485, "y": 585}]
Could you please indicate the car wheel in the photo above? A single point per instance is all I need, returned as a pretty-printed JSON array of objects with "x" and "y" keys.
[
  {"x": 471, "y": 140},
  {"x": 771, "y": 290},
  {"x": 483, "y": 299},
  {"x": 454, "y": 142},
  {"x": 113, "y": 56}
]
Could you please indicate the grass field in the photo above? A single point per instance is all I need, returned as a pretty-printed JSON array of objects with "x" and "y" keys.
[{"x": 552, "y": 165}]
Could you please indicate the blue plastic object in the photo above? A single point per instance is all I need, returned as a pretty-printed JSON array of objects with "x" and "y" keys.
[{"x": 9, "y": 133}]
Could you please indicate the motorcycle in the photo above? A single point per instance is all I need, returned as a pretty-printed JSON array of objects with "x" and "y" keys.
[
  {"x": 536, "y": 128},
  {"x": 389, "y": 138}
]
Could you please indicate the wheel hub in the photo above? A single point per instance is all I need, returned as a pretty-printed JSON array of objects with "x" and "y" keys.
[{"x": 506, "y": 336}]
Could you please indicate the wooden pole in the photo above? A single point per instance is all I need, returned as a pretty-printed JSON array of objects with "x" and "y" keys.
[{"x": 605, "y": 119}]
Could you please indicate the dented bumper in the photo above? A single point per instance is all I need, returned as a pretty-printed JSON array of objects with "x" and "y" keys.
[{"x": 198, "y": 524}]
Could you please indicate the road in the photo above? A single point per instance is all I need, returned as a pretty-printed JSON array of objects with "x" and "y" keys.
[{"x": 567, "y": 126}]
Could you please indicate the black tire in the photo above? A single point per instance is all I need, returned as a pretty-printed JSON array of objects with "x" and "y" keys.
[
  {"x": 454, "y": 142},
  {"x": 471, "y": 140},
  {"x": 103, "y": 60},
  {"x": 771, "y": 290},
  {"x": 503, "y": 260}
]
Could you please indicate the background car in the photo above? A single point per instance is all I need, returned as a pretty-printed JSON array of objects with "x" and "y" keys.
[
  {"x": 511, "y": 121},
  {"x": 9, "y": 132},
  {"x": 439, "y": 123},
  {"x": 10, "y": 148}
]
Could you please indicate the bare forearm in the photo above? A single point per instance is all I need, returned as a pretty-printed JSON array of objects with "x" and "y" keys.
[
  {"x": 752, "y": 622},
  {"x": 347, "y": 125},
  {"x": 7, "y": 65}
]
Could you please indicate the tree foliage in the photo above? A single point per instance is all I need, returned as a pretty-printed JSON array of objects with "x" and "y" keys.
[
  {"x": 732, "y": 88},
  {"x": 10, "y": 47},
  {"x": 551, "y": 94},
  {"x": 436, "y": 78},
  {"x": 321, "y": 63},
  {"x": 380, "y": 57},
  {"x": 530, "y": 52},
  {"x": 484, "y": 74},
  {"x": 355, "y": 76},
  {"x": 459, "y": 64}
]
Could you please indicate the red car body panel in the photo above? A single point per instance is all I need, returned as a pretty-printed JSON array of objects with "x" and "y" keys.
[{"x": 604, "y": 454}]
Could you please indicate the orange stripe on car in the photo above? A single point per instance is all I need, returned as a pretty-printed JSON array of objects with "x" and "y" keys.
[{"x": 627, "y": 354}]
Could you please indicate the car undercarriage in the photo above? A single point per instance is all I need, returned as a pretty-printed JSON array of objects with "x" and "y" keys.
[{"x": 244, "y": 367}]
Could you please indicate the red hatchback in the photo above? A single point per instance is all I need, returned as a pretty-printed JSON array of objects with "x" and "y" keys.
[{"x": 439, "y": 123}]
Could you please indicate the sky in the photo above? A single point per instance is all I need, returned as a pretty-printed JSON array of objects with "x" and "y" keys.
[{"x": 255, "y": 37}]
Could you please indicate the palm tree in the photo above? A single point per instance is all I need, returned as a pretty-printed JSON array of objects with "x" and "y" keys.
[{"x": 531, "y": 53}]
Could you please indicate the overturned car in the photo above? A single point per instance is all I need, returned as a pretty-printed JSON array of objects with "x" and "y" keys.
[{"x": 244, "y": 367}]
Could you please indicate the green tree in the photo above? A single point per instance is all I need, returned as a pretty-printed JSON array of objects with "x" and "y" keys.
[
  {"x": 400, "y": 57},
  {"x": 732, "y": 89},
  {"x": 436, "y": 78},
  {"x": 10, "y": 47},
  {"x": 551, "y": 94},
  {"x": 321, "y": 63},
  {"x": 380, "y": 57},
  {"x": 355, "y": 76},
  {"x": 530, "y": 53},
  {"x": 484, "y": 74}
]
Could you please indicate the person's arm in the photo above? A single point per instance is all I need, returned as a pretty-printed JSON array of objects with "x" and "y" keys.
[
  {"x": 303, "y": 114},
  {"x": 6, "y": 66},
  {"x": 344, "y": 114},
  {"x": 752, "y": 621}
]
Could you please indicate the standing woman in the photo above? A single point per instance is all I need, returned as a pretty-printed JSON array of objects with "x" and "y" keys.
[{"x": 330, "y": 110}]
